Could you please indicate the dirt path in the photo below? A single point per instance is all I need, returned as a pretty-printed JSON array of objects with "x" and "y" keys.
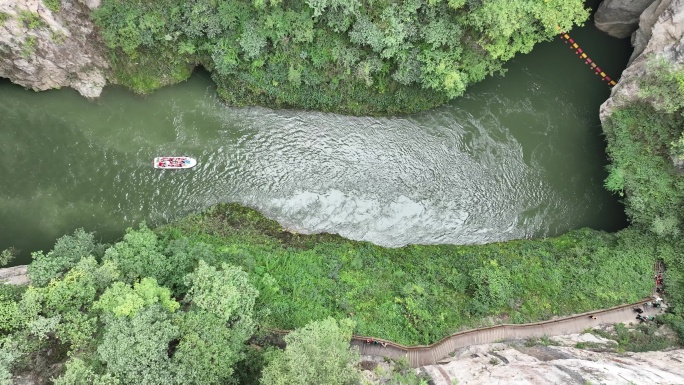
[{"x": 431, "y": 354}]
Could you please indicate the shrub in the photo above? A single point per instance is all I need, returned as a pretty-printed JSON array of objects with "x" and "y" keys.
[
  {"x": 31, "y": 20},
  {"x": 419, "y": 294},
  {"x": 53, "y": 5},
  {"x": 67, "y": 252},
  {"x": 318, "y": 353}
]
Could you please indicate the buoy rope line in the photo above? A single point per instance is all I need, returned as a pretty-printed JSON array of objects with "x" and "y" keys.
[{"x": 587, "y": 60}]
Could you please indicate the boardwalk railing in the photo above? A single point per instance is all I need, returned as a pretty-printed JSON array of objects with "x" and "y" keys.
[{"x": 420, "y": 355}]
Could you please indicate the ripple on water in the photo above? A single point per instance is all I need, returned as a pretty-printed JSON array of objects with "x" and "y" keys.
[
  {"x": 391, "y": 181},
  {"x": 498, "y": 164}
]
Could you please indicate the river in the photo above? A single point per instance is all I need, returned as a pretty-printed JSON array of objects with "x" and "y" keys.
[{"x": 518, "y": 156}]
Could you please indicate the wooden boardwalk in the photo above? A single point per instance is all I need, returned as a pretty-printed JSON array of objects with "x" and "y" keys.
[{"x": 422, "y": 355}]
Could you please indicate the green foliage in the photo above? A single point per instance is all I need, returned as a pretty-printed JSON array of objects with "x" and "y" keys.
[
  {"x": 142, "y": 254},
  {"x": 248, "y": 370},
  {"x": 9, "y": 353},
  {"x": 115, "y": 332},
  {"x": 678, "y": 147},
  {"x": 53, "y": 5},
  {"x": 135, "y": 349},
  {"x": 643, "y": 338},
  {"x": 79, "y": 373},
  {"x": 401, "y": 373},
  {"x": 29, "y": 47},
  {"x": 511, "y": 26},
  {"x": 615, "y": 182},
  {"x": 44, "y": 328},
  {"x": 183, "y": 256},
  {"x": 31, "y": 20},
  {"x": 417, "y": 294},
  {"x": 318, "y": 353},
  {"x": 492, "y": 287},
  {"x": 4, "y": 17},
  {"x": 207, "y": 349},
  {"x": 226, "y": 292},
  {"x": 7, "y": 256},
  {"x": 122, "y": 300},
  {"x": 60, "y": 309},
  {"x": 663, "y": 86},
  {"x": 676, "y": 323},
  {"x": 347, "y": 56},
  {"x": 68, "y": 250},
  {"x": 639, "y": 140},
  {"x": 219, "y": 321},
  {"x": 10, "y": 317}
]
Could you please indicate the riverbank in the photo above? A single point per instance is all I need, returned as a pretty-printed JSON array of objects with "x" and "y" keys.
[
  {"x": 414, "y": 294},
  {"x": 411, "y": 295},
  {"x": 418, "y": 294}
]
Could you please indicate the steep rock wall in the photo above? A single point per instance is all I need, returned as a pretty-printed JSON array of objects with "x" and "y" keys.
[
  {"x": 619, "y": 18},
  {"x": 660, "y": 35},
  {"x": 43, "y": 48}
]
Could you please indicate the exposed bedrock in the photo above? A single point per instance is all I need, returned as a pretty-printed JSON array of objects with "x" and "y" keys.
[
  {"x": 660, "y": 37},
  {"x": 43, "y": 48},
  {"x": 620, "y": 18},
  {"x": 558, "y": 363},
  {"x": 17, "y": 275}
]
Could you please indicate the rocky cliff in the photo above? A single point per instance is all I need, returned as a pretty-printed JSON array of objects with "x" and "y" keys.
[
  {"x": 620, "y": 18},
  {"x": 558, "y": 361},
  {"x": 51, "y": 44},
  {"x": 660, "y": 36}
]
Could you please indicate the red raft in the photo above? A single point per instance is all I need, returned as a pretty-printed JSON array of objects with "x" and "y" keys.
[{"x": 174, "y": 162}]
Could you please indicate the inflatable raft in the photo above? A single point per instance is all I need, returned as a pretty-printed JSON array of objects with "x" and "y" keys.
[{"x": 174, "y": 162}]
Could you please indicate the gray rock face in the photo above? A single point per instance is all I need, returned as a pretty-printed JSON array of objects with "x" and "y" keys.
[
  {"x": 41, "y": 49},
  {"x": 619, "y": 18},
  {"x": 661, "y": 36},
  {"x": 646, "y": 22},
  {"x": 509, "y": 363},
  {"x": 17, "y": 275}
]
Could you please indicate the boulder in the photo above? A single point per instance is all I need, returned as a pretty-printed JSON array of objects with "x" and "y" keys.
[{"x": 620, "y": 18}]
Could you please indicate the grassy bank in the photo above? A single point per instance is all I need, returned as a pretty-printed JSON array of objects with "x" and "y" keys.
[{"x": 419, "y": 294}]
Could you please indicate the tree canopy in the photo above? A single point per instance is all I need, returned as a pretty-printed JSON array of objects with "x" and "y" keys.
[
  {"x": 318, "y": 353},
  {"x": 350, "y": 56},
  {"x": 113, "y": 323}
]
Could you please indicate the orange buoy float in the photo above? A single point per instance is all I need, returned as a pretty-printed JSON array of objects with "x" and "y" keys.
[{"x": 582, "y": 55}]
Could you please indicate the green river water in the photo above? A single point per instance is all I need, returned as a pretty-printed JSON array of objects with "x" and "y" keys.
[{"x": 519, "y": 156}]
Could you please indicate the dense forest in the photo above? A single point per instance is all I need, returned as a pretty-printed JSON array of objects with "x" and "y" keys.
[{"x": 352, "y": 56}]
